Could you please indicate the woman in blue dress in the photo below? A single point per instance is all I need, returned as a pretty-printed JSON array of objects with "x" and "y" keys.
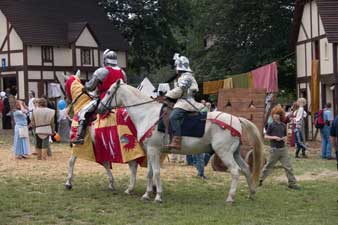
[{"x": 21, "y": 144}]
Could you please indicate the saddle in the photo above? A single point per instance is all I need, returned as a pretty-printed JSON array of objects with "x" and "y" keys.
[{"x": 193, "y": 124}]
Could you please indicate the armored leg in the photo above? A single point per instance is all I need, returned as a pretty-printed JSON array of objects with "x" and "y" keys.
[
  {"x": 176, "y": 120},
  {"x": 84, "y": 117}
]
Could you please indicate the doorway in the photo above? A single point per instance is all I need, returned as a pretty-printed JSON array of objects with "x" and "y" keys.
[{"x": 10, "y": 83}]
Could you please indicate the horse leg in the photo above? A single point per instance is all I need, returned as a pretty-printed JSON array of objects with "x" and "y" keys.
[
  {"x": 68, "y": 184},
  {"x": 146, "y": 196},
  {"x": 133, "y": 170},
  {"x": 111, "y": 186},
  {"x": 227, "y": 156},
  {"x": 246, "y": 170},
  {"x": 155, "y": 164}
]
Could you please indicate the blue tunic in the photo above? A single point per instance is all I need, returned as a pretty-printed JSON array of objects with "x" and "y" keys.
[{"x": 21, "y": 145}]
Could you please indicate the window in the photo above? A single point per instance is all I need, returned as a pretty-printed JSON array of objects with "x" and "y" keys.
[
  {"x": 47, "y": 54},
  {"x": 86, "y": 57}
]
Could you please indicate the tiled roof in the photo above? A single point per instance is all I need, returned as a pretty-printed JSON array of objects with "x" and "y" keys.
[{"x": 58, "y": 22}]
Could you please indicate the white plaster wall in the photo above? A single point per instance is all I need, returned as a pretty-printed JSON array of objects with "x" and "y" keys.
[
  {"x": 3, "y": 27},
  {"x": 321, "y": 26},
  {"x": 309, "y": 58},
  {"x": 301, "y": 35},
  {"x": 4, "y": 56},
  {"x": 122, "y": 59},
  {"x": 15, "y": 41},
  {"x": 34, "y": 75},
  {"x": 63, "y": 57},
  {"x": 78, "y": 57},
  {"x": 329, "y": 94},
  {"x": 34, "y": 56},
  {"x": 96, "y": 59},
  {"x": 302, "y": 85},
  {"x": 306, "y": 19},
  {"x": 86, "y": 39},
  {"x": 300, "y": 60},
  {"x": 16, "y": 59},
  {"x": 314, "y": 19},
  {"x": 21, "y": 85},
  {"x": 326, "y": 61},
  {"x": 33, "y": 86},
  {"x": 48, "y": 75}
]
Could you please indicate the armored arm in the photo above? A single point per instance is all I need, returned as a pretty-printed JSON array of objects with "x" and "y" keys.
[{"x": 97, "y": 78}]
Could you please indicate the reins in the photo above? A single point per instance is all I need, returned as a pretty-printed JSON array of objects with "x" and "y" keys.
[{"x": 106, "y": 106}]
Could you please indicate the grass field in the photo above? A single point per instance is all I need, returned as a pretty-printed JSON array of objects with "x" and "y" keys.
[{"x": 32, "y": 192}]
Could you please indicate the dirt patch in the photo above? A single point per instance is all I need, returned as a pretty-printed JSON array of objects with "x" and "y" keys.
[{"x": 311, "y": 176}]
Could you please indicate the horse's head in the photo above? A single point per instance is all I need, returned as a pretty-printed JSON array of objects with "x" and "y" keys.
[
  {"x": 111, "y": 99},
  {"x": 69, "y": 81}
]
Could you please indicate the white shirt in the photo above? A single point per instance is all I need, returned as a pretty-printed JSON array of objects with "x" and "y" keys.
[{"x": 31, "y": 106}]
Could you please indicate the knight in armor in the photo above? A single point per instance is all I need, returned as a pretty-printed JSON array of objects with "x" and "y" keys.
[
  {"x": 101, "y": 81},
  {"x": 184, "y": 91}
]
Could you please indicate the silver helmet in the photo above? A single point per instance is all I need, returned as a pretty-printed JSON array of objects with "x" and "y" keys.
[
  {"x": 182, "y": 63},
  {"x": 109, "y": 58}
]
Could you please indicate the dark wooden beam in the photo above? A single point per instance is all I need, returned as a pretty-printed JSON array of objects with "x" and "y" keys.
[
  {"x": 312, "y": 39},
  {"x": 25, "y": 70},
  {"x": 306, "y": 35},
  {"x": 335, "y": 72}
]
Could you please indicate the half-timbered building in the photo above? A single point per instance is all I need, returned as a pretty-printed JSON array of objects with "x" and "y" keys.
[
  {"x": 40, "y": 40},
  {"x": 315, "y": 37}
]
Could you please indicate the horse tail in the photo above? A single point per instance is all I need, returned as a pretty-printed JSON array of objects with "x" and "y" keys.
[{"x": 255, "y": 138}]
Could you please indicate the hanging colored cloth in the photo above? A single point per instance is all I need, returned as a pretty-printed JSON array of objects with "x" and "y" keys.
[
  {"x": 227, "y": 83},
  {"x": 212, "y": 87},
  {"x": 266, "y": 77},
  {"x": 315, "y": 86},
  {"x": 241, "y": 80}
]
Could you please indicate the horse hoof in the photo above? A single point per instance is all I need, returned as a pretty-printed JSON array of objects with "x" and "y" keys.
[
  {"x": 145, "y": 198},
  {"x": 252, "y": 196},
  {"x": 229, "y": 202},
  {"x": 158, "y": 200},
  {"x": 128, "y": 192},
  {"x": 68, "y": 186}
]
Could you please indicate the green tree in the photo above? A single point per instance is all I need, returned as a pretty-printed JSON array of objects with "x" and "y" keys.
[
  {"x": 151, "y": 28},
  {"x": 248, "y": 34}
]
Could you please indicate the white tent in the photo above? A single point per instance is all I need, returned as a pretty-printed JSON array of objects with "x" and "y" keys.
[{"x": 147, "y": 88}]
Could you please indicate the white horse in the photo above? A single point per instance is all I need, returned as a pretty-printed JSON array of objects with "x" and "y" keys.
[
  {"x": 145, "y": 115},
  {"x": 132, "y": 164}
]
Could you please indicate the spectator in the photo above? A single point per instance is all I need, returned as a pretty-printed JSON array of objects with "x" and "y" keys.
[
  {"x": 277, "y": 135},
  {"x": 42, "y": 122},
  {"x": 64, "y": 125},
  {"x": 21, "y": 138},
  {"x": 31, "y": 106},
  {"x": 2, "y": 96},
  {"x": 199, "y": 163},
  {"x": 334, "y": 136},
  {"x": 325, "y": 132},
  {"x": 6, "y": 112},
  {"x": 299, "y": 115}
]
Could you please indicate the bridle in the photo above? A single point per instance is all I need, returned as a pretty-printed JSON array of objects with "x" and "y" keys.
[{"x": 108, "y": 107}]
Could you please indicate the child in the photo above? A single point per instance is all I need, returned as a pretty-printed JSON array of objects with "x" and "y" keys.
[{"x": 277, "y": 135}]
